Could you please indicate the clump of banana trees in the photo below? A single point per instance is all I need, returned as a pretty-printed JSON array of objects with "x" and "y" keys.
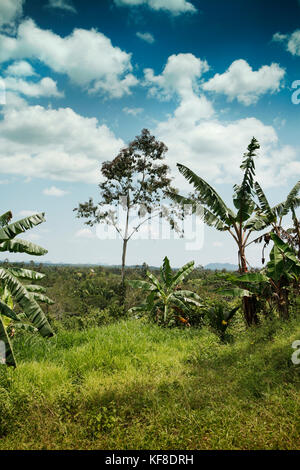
[
  {"x": 17, "y": 286},
  {"x": 248, "y": 216},
  {"x": 274, "y": 284},
  {"x": 166, "y": 301}
]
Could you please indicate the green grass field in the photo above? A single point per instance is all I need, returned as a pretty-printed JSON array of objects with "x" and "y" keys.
[{"x": 134, "y": 385}]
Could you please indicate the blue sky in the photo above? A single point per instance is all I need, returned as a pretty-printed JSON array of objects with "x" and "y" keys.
[{"x": 83, "y": 78}]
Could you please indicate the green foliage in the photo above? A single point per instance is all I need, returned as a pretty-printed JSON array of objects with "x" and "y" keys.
[
  {"x": 218, "y": 316},
  {"x": 134, "y": 385},
  {"x": 12, "y": 289},
  {"x": 166, "y": 301}
]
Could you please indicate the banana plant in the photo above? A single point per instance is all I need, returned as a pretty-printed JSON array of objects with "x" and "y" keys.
[
  {"x": 275, "y": 282},
  {"x": 215, "y": 212},
  {"x": 219, "y": 318},
  {"x": 165, "y": 297},
  {"x": 14, "y": 286}
]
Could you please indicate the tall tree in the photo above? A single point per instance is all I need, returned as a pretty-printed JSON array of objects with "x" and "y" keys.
[
  {"x": 216, "y": 213},
  {"x": 138, "y": 178}
]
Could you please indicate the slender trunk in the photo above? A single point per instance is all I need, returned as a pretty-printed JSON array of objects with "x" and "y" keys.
[
  {"x": 249, "y": 303},
  {"x": 125, "y": 241},
  {"x": 283, "y": 302}
]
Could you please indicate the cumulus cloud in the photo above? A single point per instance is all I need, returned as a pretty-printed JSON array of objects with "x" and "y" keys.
[
  {"x": 180, "y": 76},
  {"x": 175, "y": 7},
  {"x": 10, "y": 11},
  {"x": 57, "y": 144},
  {"x": 87, "y": 57},
  {"x": 54, "y": 191},
  {"x": 241, "y": 82},
  {"x": 213, "y": 148},
  {"x": 20, "y": 68},
  {"x": 147, "y": 37},
  {"x": 45, "y": 87},
  {"x": 66, "y": 5},
  {"x": 291, "y": 41}
]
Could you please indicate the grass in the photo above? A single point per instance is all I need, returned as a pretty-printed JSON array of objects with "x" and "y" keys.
[{"x": 132, "y": 385}]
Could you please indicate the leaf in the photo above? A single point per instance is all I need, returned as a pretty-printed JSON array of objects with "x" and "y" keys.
[
  {"x": 182, "y": 273},
  {"x": 154, "y": 281},
  {"x": 10, "y": 231},
  {"x": 5, "y": 218},
  {"x": 236, "y": 292},
  {"x": 7, "y": 311},
  {"x": 264, "y": 204},
  {"x": 137, "y": 284},
  {"x": 25, "y": 273},
  {"x": 33, "y": 311},
  {"x": 253, "y": 277},
  {"x": 228, "y": 316},
  {"x": 22, "y": 246},
  {"x": 166, "y": 272},
  {"x": 41, "y": 298},
  {"x": 208, "y": 195},
  {"x": 291, "y": 199},
  {"x": 35, "y": 288}
]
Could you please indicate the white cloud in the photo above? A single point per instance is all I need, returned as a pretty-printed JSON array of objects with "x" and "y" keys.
[
  {"x": 180, "y": 76},
  {"x": 173, "y": 6},
  {"x": 133, "y": 111},
  {"x": 54, "y": 191},
  {"x": 241, "y": 82},
  {"x": 86, "y": 56},
  {"x": 55, "y": 144},
  {"x": 147, "y": 37},
  {"x": 213, "y": 148},
  {"x": 278, "y": 37},
  {"x": 85, "y": 233},
  {"x": 20, "y": 68},
  {"x": 62, "y": 5},
  {"x": 10, "y": 10},
  {"x": 45, "y": 87},
  {"x": 291, "y": 41}
]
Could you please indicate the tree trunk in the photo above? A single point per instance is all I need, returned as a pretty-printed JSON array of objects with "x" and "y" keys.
[
  {"x": 283, "y": 303},
  {"x": 249, "y": 303},
  {"x": 123, "y": 260}
]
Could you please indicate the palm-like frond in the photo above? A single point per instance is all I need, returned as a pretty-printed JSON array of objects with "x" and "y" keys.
[
  {"x": 182, "y": 273},
  {"x": 31, "y": 308},
  {"x": 166, "y": 272},
  {"x": 263, "y": 201},
  {"x": 5, "y": 218},
  {"x": 17, "y": 245},
  {"x": 208, "y": 217},
  {"x": 26, "y": 274},
  {"x": 207, "y": 194},
  {"x": 291, "y": 200},
  {"x": 7, "y": 311},
  {"x": 12, "y": 230}
]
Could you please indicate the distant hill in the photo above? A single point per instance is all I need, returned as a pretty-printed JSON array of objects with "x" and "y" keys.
[{"x": 219, "y": 266}]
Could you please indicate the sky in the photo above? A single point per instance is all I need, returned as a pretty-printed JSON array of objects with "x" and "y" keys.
[{"x": 80, "y": 79}]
